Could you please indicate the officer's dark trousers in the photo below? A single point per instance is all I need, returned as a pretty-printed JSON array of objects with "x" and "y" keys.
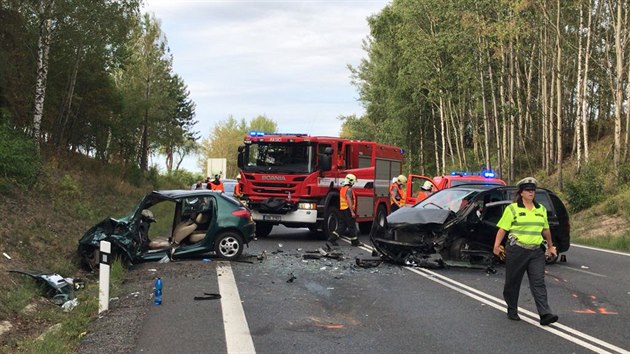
[
  {"x": 347, "y": 225},
  {"x": 518, "y": 261}
]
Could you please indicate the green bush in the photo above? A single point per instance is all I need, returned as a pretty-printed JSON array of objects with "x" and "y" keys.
[
  {"x": 586, "y": 189},
  {"x": 19, "y": 160},
  {"x": 180, "y": 179}
]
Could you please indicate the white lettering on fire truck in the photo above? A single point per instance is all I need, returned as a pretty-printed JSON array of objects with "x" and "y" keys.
[{"x": 273, "y": 178}]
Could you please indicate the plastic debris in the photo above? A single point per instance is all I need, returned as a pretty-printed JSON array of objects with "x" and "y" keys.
[
  {"x": 206, "y": 260},
  {"x": 208, "y": 296},
  {"x": 152, "y": 270},
  {"x": 69, "y": 305},
  {"x": 291, "y": 278},
  {"x": 368, "y": 262},
  {"x": 6, "y": 255},
  {"x": 584, "y": 267},
  {"x": 59, "y": 289}
]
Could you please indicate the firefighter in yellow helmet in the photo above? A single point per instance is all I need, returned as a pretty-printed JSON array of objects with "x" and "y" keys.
[
  {"x": 348, "y": 213},
  {"x": 527, "y": 224},
  {"x": 425, "y": 191},
  {"x": 396, "y": 193}
]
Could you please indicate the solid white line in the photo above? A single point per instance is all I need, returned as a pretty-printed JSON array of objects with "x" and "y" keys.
[
  {"x": 601, "y": 250},
  {"x": 500, "y": 305},
  {"x": 237, "y": 336},
  {"x": 581, "y": 270}
]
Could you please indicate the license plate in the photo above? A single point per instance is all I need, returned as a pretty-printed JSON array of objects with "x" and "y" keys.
[{"x": 271, "y": 217}]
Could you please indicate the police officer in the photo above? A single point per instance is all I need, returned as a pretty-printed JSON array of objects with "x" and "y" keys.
[
  {"x": 396, "y": 194},
  {"x": 348, "y": 212},
  {"x": 525, "y": 220}
]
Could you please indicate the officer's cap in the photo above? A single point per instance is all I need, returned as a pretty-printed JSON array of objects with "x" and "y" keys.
[{"x": 527, "y": 183}]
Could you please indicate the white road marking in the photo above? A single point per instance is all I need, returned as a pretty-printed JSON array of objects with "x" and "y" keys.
[
  {"x": 237, "y": 336},
  {"x": 601, "y": 250},
  {"x": 581, "y": 270},
  {"x": 596, "y": 345}
]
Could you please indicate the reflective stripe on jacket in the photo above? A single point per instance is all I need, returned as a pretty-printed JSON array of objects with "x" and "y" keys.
[{"x": 524, "y": 224}]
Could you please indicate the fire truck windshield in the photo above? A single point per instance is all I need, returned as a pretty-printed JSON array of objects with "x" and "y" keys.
[{"x": 280, "y": 157}]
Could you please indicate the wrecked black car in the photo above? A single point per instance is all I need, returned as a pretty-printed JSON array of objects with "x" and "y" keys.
[
  {"x": 173, "y": 224},
  {"x": 457, "y": 227}
]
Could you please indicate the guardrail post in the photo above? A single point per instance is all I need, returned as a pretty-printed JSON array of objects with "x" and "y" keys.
[{"x": 103, "y": 276}]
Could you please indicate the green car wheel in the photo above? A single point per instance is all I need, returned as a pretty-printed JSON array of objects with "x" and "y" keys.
[{"x": 229, "y": 245}]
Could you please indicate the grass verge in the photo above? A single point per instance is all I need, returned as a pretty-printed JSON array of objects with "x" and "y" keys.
[{"x": 70, "y": 327}]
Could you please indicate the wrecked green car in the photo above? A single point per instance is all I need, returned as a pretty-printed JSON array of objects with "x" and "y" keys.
[{"x": 173, "y": 224}]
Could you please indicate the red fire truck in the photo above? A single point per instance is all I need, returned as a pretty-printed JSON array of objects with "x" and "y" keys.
[{"x": 294, "y": 179}]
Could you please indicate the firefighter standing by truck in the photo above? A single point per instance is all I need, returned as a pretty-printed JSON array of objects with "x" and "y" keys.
[
  {"x": 348, "y": 212},
  {"x": 216, "y": 184},
  {"x": 396, "y": 193}
]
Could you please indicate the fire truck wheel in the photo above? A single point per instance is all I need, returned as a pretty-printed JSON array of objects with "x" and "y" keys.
[
  {"x": 263, "y": 229},
  {"x": 331, "y": 220},
  {"x": 381, "y": 215}
]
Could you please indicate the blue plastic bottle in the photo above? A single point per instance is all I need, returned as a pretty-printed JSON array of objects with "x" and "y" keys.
[{"x": 158, "y": 291}]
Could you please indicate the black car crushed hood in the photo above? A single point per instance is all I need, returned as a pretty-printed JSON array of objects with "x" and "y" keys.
[{"x": 417, "y": 216}]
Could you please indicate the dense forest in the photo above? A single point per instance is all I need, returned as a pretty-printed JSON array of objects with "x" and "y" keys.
[
  {"x": 93, "y": 77},
  {"x": 518, "y": 86}
]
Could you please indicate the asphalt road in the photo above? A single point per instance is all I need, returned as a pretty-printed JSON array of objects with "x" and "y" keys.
[{"x": 286, "y": 304}]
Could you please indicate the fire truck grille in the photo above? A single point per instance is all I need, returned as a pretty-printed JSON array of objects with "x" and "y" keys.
[{"x": 274, "y": 188}]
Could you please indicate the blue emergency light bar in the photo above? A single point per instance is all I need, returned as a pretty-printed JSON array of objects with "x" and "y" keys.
[
  {"x": 484, "y": 173},
  {"x": 257, "y": 133}
]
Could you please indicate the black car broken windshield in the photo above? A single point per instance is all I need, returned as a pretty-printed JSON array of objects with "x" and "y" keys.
[
  {"x": 451, "y": 198},
  {"x": 280, "y": 157}
]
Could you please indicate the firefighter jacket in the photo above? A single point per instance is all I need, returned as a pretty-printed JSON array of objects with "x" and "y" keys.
[
  {"x": 396, "y": 195},
  {"x": 343, "y": 198}
]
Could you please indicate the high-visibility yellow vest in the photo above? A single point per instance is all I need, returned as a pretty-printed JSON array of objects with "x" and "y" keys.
[
  {"x": 524, "y": 224},
  {"x": 343, "y": 200},
  {"x": 395, "y": 187}
]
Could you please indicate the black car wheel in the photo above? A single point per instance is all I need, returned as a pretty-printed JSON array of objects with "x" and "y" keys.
[
  {"x": 458, "y": 249},
  {"x": 92, "y": 259},
  {"x": 263, "y": 229},
  {"x": 229, "y": 245}
]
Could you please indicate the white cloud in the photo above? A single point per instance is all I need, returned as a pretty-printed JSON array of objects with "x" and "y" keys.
[{"x": 284, "y": 59}]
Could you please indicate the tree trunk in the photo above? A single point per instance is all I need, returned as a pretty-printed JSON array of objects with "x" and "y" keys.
[
  {"x": 43, "y": 48},
  {"x": 486, "y": 132},
  {"x": 542, "y": 73},
  {"x": 497, "y": 131},
  {"x": 443, "y": 131},
  {"x": 618, "y": 91},
  {"x": 559, "y": 95},
  {"x": 438, "y": 165},
  {"x": 580, "y": 94},
  {"x": 65, "y": 113}
]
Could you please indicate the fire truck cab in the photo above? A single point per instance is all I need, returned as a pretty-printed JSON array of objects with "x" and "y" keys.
[{"x": 294, "y": 179}]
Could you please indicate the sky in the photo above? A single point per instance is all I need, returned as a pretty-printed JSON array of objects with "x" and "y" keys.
[{"x": 284, "y": 59}]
